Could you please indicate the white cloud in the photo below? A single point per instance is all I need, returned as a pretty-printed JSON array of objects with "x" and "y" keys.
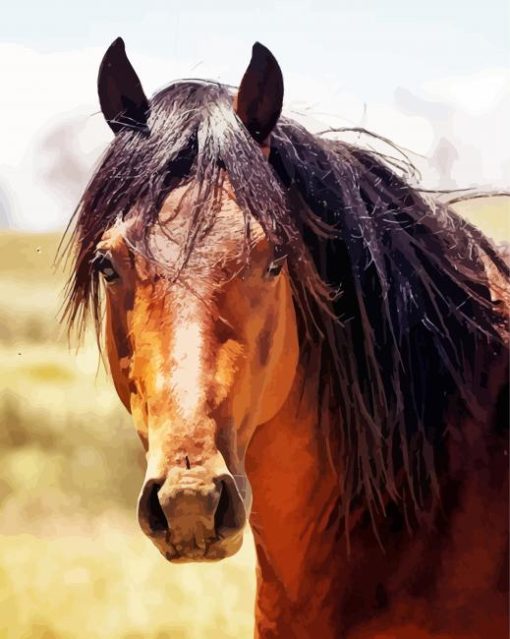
[{"x": 475, "y": 94}]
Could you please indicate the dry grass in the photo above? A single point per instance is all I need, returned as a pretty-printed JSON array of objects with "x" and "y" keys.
[
  {"x": 108, "y": 582},
  {"x": 492, "y": 216},
  {"x": 72, "y": 561}
]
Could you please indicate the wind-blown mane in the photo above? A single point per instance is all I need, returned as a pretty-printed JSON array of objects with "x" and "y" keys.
[{"x": 390, "y": 284}]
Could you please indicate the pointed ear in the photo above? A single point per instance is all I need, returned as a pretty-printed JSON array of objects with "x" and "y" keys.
[
  {"x": 259, "y": 100},
  {"x": 121, "y": 96}
]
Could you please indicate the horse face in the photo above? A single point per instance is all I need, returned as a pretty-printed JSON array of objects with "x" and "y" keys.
[{"x": 200, "y": 361}]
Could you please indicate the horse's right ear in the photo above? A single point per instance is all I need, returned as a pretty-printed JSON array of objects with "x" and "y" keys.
[
  {"x": 258, "y": 102},
  {"x": 121, "y": 96}
]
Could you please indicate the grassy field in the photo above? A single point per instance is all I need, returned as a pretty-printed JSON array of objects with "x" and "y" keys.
[{"x": 73, "y": 564}]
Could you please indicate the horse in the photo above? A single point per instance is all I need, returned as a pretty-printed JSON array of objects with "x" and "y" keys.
[{"x": 306, "y": 342}]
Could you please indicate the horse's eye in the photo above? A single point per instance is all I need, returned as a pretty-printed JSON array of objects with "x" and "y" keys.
[
  {"x": 103, "y": 265},
  {"x": 275, "y": 267}
]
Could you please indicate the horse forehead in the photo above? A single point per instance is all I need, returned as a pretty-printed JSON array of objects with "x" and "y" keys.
[
  {"x": 176, "y": 211},
  {"x": 223, "y": 243},
  {"x": 223, "y": 240}
]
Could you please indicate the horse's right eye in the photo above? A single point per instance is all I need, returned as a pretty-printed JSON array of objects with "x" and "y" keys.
[
  {"x": 103, "y": 264},
  {"x": 275, "y": 267}
]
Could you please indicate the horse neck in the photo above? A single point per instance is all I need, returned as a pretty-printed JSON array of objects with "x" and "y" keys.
[{"x": 294, "y": 518}]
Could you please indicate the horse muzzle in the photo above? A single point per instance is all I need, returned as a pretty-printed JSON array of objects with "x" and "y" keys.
[{"x": 193, "y": 515}]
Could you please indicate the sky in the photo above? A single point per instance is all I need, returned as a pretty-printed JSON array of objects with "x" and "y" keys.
[{"x": 433, "y": 77}]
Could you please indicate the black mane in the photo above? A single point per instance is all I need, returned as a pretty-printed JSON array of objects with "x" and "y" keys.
[{"x": 389, "y": 283}]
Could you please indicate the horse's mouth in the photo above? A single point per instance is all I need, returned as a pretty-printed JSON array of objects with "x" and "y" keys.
[{"x": 216, "y": 550}]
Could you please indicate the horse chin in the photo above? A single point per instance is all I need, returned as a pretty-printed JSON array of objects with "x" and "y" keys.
[{"x": 216, "y": 551}]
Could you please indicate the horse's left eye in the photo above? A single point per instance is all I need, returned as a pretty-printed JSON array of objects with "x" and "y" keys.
[
  {"x": 275, "y": 267},
  {"x": 103, "y": 265}
]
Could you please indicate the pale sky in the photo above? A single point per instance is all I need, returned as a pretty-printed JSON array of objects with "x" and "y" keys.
[{"x": 432, "y": 76}]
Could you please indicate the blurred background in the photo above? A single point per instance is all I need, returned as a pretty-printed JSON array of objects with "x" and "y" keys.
[{"x": 433, "y": 77}]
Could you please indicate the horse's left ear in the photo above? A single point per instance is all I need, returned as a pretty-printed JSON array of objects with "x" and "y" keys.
[
  {"x": 259, "y": 100},
  {"x": 121, "y": 96}
]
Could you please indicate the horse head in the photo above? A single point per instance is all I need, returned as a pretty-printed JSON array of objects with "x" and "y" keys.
[{"x": 200, "y": 327}]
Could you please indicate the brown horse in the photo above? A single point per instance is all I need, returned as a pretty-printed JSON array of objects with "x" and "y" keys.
[{"x": 305, "y": 340}]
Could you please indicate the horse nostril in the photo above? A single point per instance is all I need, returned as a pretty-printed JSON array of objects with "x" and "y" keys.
[
  {"x": 150, "y": 512},
  {"x": 227, "y": 514}
]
